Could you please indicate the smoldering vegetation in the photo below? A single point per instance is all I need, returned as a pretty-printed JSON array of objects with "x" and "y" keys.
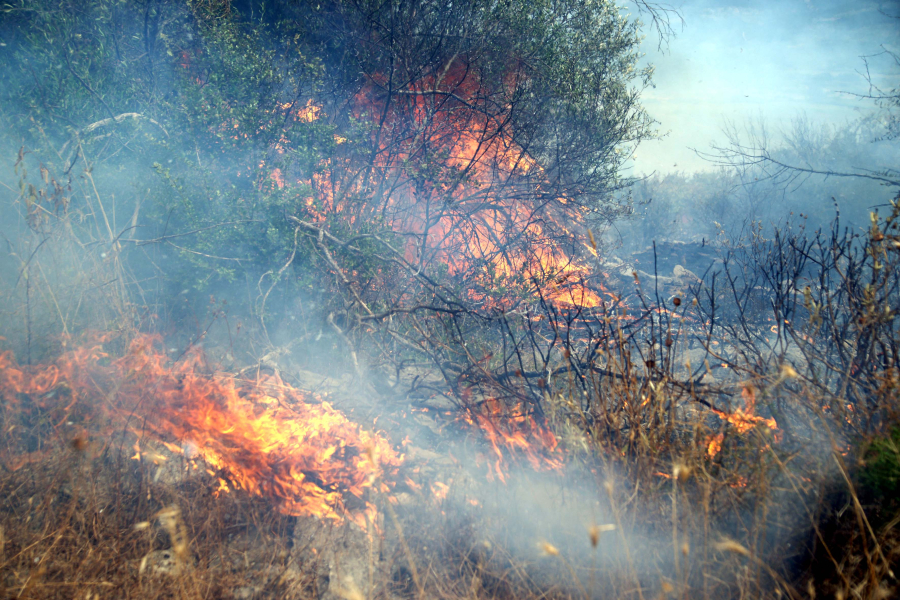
[{"x": 355, "y": 300}]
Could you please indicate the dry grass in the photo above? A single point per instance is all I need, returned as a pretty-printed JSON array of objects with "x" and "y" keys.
[{"x": 85, "y": 521}]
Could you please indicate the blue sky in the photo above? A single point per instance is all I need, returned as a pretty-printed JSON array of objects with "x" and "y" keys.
[{"x": 735, "y": 60}]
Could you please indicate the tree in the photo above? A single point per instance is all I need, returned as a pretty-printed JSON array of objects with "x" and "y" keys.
[{"x": 379, "y": 156}]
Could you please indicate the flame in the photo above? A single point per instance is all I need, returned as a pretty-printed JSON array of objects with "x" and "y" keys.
[
  {"x": 739, "y": 482},
  {"x": 484, "y": 213},
  {"x": 264, "y": 437},
  {"x": 440, "y": 490},
  {"x": 513, "y": 433},
  {"x": 714, "y": 444},
  {"x": 742, "y": 419}
]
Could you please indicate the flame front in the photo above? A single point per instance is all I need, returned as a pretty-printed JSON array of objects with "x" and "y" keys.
[{"x": 264, "y": 437}]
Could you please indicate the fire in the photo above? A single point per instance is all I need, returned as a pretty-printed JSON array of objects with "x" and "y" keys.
[
  {"x": 742, "y": 419},
  {"x": 263, "y": 437},
  {"x": 512, "y": 433},
  {"x": 485, "y": 214},
  {"x": 714, "y": 444}
]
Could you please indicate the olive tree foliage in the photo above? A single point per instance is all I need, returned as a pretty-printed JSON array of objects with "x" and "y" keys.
[
  {"x": 206, "y": 131},
  {"x": 484, "y": 136},
  {"x": 489, "y": 126},
  {"x": 173, "y": 107},
  {"x": 559, "y": 79}
]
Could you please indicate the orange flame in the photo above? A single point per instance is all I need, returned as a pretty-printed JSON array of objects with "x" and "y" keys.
[
  {"x": 742, "y": 419},
  {"x": 512, "y": 433},
  {"x": 714, "y": 444},
  {"x": 264, "y": 437},
  {"x": 478, "y": 213}
]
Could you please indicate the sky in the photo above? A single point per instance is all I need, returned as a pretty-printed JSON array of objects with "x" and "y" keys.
[{"x": 735, "y": 60}]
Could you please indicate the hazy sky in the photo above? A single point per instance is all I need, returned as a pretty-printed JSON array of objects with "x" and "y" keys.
[{"x": 737, "y": 59}]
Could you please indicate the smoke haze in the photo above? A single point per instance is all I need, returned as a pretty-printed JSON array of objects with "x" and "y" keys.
[{"x": 735, "y": 60}]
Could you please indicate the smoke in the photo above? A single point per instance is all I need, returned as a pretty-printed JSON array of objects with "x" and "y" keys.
[{"x": 735, "y": 60}]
